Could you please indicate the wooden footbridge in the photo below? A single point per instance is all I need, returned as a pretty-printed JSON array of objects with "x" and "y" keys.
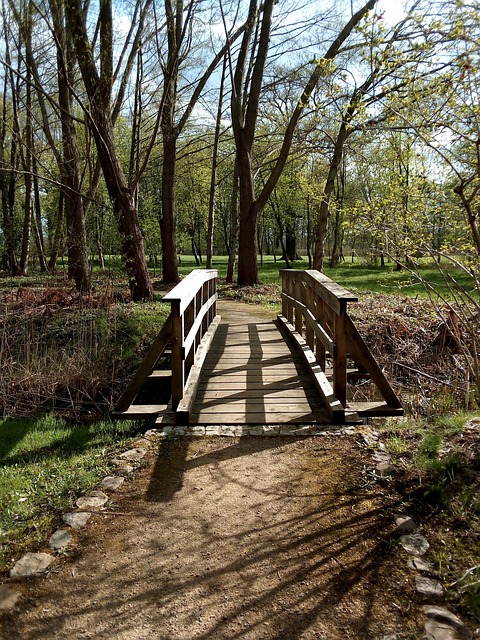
[{"x": 302, "y": 368}]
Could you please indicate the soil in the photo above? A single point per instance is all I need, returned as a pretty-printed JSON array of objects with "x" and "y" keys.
[
  {"x": 225, "y": 538},
  {"x": 232, "y": 538}
]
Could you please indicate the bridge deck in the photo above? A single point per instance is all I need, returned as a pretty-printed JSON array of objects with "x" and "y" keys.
[{"x": 250, "y": 375}]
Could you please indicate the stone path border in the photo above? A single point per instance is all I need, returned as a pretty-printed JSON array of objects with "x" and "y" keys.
[{"x": 440, "y": 623}]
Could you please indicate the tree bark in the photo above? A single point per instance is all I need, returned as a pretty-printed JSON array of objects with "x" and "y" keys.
[{"x": 98, "y": 87}]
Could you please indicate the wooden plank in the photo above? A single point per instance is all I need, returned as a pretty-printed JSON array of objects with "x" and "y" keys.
[
  {"x": 333, "y": 294},
  {"x": 148, "y": 363},
  {"x": 185, "y": 405},
  {"x": 340, "y": 360},
  {"x": 160, "y": 374},
  {"x": 140, "y": 411},
  {"x": 178, "y": 363},
  {"x": 232, "y": 387},
  {"x": 247, "y": 366},
  {"x": 189, "y": 339},
  {"x": 256, "y": 406},
  {"x": 187, "y": 289},
  {"x": 375, "y": 409},
  {"x": 279, "y": 395},
  {"x": 314, "y": 326}
]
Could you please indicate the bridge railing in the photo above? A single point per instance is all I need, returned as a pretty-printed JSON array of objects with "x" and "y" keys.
[
  {"x": 315, "y": 314},
  {"x": 193, "y": 309},
  {"x": 185, "y": 336}
]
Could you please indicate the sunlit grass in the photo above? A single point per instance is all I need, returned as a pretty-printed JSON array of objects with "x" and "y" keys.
[{"x": 45, "y": 465}]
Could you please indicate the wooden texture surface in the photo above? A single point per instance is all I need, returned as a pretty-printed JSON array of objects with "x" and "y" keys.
[{"x": 250, "y": 376}]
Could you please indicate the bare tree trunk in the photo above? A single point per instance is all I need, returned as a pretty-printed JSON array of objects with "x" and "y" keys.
[
  {"x": 168, "y": 219},
  {"x": 244, "y": 124},
  {"x": 232, "y": 249},
  {"x": 58, "y": 236},
  {"x": 37, "y": 219},
  {"x": 213, "y": 177},
  {"x": 324, "y": 214},
  {"x": 98, "y": 87},
  {"x": 27, "y": 162},
  {"x": 7, "y": 178}
]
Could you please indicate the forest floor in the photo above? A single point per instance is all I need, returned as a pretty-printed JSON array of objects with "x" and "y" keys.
[{"x": 252, "y": 537}]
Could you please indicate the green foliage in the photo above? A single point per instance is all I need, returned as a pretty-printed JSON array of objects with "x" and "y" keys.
[{"x": 45, "y": 465}]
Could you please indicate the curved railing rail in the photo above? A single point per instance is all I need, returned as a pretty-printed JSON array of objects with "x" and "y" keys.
[{"x": 315, "y": 314}]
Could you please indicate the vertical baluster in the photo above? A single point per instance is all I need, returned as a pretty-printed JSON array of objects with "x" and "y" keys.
[
  {"x": 340, "y": 357},
  {"x": 178, "y": 363}
]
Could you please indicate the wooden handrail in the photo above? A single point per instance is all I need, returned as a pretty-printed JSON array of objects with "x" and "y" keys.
[
  {"x": 188, "y": 332},
  {"x": 193, "y": 308},
  {"x": 315, "y": 313}
]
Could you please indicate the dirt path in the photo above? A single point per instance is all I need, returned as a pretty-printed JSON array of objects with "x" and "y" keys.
[{"x": 231, "y": 538}]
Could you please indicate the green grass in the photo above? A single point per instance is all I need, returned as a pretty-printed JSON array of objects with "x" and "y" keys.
[
  {"x": 357, "y": 276},
  {"x": 45, "y": 465}
]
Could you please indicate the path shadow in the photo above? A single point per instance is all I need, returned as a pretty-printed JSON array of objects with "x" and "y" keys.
[{"x": 172, "y": 461}]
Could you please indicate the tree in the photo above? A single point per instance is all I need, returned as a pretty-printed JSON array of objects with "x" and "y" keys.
[
  {"x": 256, "y": 40},
  {"x": 98, "y": 86}
]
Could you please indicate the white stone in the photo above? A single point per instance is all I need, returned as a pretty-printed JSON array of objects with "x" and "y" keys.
[
  {"x": 76, "y": 519},
  {"x": 152, "y": 433},
  {"x": 122, "y": 465},
  {"x": 287, "y": 430},
  {"x": 428, "y": 587},
  {"x": 256, "y": 430},
  {"x": 271, "y": 431},
  {"x": 415, "y": 544},
  {"x": 8, "y": 597},
  {"x": 420, "y": 565},
  {"x": 60, "y": 539},
  {"x": 441, "y": 614},
  {"x": 435, "y": 630},
  {"x": 32, "y": 564},
  {"x": 134, "y": 455},
  {"x": 405, "y": 524},
  {"x": 112, "y": 483},
  {"x": 212, "y": 431},
  {"x": 95, "y": 500},
  {"x": 196, "y": 432}
]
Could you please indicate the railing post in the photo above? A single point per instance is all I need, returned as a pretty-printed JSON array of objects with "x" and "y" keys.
[
  {"x": 340, "y": 356},
  {"x": 298, "y": 287},
  {"x": 320, "y": 347},
  {"x": 309, "y": 333},
  {"x": 178, "y": 362}
]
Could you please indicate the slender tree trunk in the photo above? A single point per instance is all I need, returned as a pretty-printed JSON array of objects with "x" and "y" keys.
[
  {"x": 213, "y": 177},
  {"x": 7, "y": 178},
  {"x": 27, "y": 168},
  {"x": 98, "y": 87},
  {"x": 168, "y": 219},
  {"x": 69, "y": 162},
  {"x": 232, "y": 249},
  {"x": 58, "y": 235},
  {"x": 37, "y": 220},
  {"x": 324, "y": 214}
]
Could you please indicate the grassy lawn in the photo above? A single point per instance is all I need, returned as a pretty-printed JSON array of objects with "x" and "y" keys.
[
  {"x": 45, "y": 465},
  {"x": 357, "y": 276}
]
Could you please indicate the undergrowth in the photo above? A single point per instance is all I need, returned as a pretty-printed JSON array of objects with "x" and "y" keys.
[
  {"x": 437, "y": 475},
  {"x": 68, "y": 353}
]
